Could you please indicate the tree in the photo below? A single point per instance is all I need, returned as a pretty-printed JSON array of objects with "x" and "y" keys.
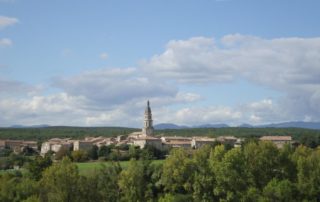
[
  {"x": 263, "y": 162},
  {"x": 14, "y": 187},
  {"x": 107, "y": 179},
  {"x": 309, "y": 140},
  {"x": 279, "y": 190},
  {"x": 176, "y": 198},
  {"x": 28, "y": 151},
  {"x": 38, "y": 165},
  {"x": 60, "y": 182},
  {"x": 231, "y": 176},
  {"x": 134, "y": 152},
  {"x": 63, "y": 152},
  {"x": 309, "y": 176},
  {"x": 133, "y": 182},
  {"x": 5, "y": 152},
  {"x": 204, "y": 180},
  {"x": 288, "y": 169},
  {"x": 93, "y": 152},
  {"x": 104, "y": 151},
  {"x": 178, "y": 172},
  {"x": 79, "y": 156}
]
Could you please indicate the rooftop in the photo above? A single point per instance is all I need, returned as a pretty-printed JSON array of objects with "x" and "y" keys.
[{"x": 276, "y": 138}]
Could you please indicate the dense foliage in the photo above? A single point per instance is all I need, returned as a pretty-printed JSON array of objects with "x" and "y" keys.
[
  {"x": 258, "y": 171},
  {"x": 296, "y": 133},
  {"x": 42, "y": 134}
]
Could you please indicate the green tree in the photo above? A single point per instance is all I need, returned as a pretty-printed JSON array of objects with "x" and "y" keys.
[
  {"x": 309, "y": 140},
  {"x": 231, "y": 176},
  {"x": 288, "y": 168},
  {"x": 16, "y": 188},
  {"x": 204, "y": 180},
  {"x": 93, "y": 152},
  {"x": 178, "y": 172},
  {"x": 252, "y": 195},
  {"x": 309, "y": 176},
  {"x": 263, "y": 162},
  {"x": 133, "y": 182},
  {"x": 176, "y": 198},
  {"x": 107, "y": 179},
  {"x": 88, "y": 189},
  {"x": 134, "y": 152},
  {"x": 38, "y": 165},
  {"x": 63, "y": 152},
  {"x": 60, "y": 182},
  {"x": 279, "y": 190},
  {"x": 79, "y": 156},
  {"x": 104, "y": 151}
]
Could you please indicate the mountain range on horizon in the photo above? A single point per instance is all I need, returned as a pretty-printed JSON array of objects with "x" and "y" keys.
[{"x": 291, "y": 124}]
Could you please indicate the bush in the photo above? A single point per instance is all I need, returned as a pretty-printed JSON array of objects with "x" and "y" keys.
[{"x": 79, "y": 156}]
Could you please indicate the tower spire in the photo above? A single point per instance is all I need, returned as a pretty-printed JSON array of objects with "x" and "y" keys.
[{"x": 148, "y": 123}]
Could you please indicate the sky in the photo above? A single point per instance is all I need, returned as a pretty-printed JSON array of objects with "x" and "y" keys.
[{"x": 96, "y": 63}]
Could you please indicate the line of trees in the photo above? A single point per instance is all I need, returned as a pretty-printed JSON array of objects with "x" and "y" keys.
[{"x": 258, "y": 171}]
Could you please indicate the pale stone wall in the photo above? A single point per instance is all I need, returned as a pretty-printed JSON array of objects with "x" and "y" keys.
[{"x": 82, "y": 145}]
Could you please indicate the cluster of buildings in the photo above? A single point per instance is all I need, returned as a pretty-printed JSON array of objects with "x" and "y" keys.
[
  {"x": 146, "y": 137},
  {"x": 18, "y": 145},
  {"x": 142, "y": 139}
]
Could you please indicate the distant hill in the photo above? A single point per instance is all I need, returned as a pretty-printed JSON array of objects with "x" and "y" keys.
[
  {"x": 293, "y": 124},
  {"x": 163, "y": 126},
  {"x": 245, "y": 125},
  {"x": 33, "y": 126},
  {"x": 219, "y": 125}
]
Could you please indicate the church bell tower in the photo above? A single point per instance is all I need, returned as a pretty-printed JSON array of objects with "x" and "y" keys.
[{"x": 148, "y": 125}]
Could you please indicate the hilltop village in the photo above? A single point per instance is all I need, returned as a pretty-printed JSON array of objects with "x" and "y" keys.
[
  {"x": 146, "y": 137},
  {"x": 143, "y": 138}
]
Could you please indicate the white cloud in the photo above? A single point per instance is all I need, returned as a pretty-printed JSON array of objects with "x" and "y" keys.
[
  {"x": 109, "y": 87},
  {"x": 104, "y": 56},
  {"x": 7, "y": 21},
  {"x": 11, "y": 87},
  {"x": 117, "y": 96},
  {"x": 57, "y": 109},
  {"x": 5, "y": 42},
  {"x": 288, "y": 65}
]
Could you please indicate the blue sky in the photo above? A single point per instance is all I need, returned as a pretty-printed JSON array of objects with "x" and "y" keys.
[{"x": 91, "y": 63}]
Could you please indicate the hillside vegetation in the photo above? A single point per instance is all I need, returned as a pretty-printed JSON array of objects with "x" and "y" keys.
[
  {"x": 46, "y": 133},
  {"x": 62, "y": 132}
]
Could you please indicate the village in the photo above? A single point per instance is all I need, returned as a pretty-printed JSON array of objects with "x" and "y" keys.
[{"x": 140, "y": 139}]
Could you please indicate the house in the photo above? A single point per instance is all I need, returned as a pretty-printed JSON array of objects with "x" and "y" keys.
[
  {"x": 18, "y": 145},
  {"x": 175, "y": 138},
  {"x": 55, "y": 144},
  {"x": 227, "y": 140},
  {"x": 152, "y": 141},
  {"x": 2, "y": 144},
  {"x": 177, "y": 144},
  {"x": 279, "y": 141},
  {"x": 82, "y": 145},
  {"x": 198, "y": 142}
]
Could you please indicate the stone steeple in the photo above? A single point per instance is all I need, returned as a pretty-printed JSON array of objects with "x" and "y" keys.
[{"x": 147, "y": 129}]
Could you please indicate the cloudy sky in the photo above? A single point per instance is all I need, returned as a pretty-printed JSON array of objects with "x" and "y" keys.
[{"x": 96, "y": 63}]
